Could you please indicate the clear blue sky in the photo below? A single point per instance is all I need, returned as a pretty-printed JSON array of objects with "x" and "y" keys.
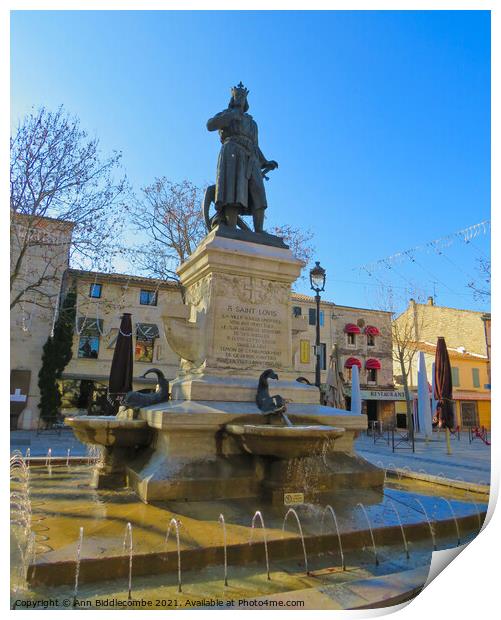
[{"x": 380, "y": 121}]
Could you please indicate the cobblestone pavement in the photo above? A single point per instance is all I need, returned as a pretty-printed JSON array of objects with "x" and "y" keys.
[
  {"x": 39, "y": 444},
  {"x": 470, "y": 462}
]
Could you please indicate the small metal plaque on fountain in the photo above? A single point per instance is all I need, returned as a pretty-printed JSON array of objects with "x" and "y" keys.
[{"x": 292, "y": 499}]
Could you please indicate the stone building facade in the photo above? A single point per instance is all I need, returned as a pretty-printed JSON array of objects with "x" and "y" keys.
[
  {"x": 363, "y": 337},
  {"x": 467, "y": 336},
  {"x": 102, "y": 298},
  {"x": 39, "y": 258}
]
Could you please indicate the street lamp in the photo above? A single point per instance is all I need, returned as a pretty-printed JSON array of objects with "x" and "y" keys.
[{"x": 317, "y": 283}]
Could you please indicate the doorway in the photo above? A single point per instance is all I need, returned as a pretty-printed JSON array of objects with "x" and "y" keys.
[{"x": 371, "y": 411}]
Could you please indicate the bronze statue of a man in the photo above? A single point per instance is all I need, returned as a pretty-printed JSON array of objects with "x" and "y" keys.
[{"x": 241, "y": 165}]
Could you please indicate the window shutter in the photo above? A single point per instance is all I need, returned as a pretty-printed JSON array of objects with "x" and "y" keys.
[{"x": 476, "y": 377}]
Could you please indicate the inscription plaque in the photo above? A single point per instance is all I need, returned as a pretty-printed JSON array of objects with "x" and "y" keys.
[
  {"x": 250, "y": 336},
  {"x": 293, "y": 499}
]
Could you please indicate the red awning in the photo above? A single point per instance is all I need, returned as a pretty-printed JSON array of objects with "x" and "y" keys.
[
  {"x": 372, "y": 331},
  {"x": 352, "y": 361},
  {"x": 373, "y": 364},
  {"x": 351, "y": 328}
]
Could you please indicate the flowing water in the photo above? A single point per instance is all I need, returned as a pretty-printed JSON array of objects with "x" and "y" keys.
[
  {"x": 291, "y": 511},
  {"x": 332, "y": 512},
  {"x": 77, "y": 567},
  {"x": 175, "y": 523},
  {"x": 65, "y": 499},
  {"x": 21, "y": 519},
  {"x": 258, "y": 515},
  {"x": 454, "y": 517},
  {"x": 404, "y": 539},
  {"x": 469, "y": 493},
  {"x": 370, "y": 530},
  {"x": 432, "y": 531},
  {"x": 221, "y": 520},
  {"x": 94, "y": 453},
  {"x": 128, "y": 542}
]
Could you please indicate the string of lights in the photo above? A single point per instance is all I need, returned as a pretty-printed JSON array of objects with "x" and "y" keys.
[
  {"x": 437, "y": 246},
  {"x": 466, "y": 235}
]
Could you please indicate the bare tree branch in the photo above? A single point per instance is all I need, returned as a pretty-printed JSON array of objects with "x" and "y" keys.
[
  {"x": 57, "y": 172},
  {"x": 482, "y": 286},
  {"x": 170, "y": 217},
  {"x": 405, "y": 332}
]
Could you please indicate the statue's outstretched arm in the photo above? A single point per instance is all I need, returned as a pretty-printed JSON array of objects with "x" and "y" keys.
[{"x": 221, "y": 120}]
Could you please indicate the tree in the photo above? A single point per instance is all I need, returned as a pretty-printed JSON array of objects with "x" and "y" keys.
[
  {"x": 56, "y": 171},
  {"x": 57, "y": 352},
  {"x": 405, "y": 333},
  {"x": 170, "y": 216},
  {"x": 297, "y": 239},
  {"x": 482, "y": 287}
]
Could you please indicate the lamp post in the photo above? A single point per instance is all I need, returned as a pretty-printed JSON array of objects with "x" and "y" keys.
[{"x": 317, "y": 283}]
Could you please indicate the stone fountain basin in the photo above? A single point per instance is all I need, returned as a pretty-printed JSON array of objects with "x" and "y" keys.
[
  {"x": 110, "y": 431},
  {"x": 284, "y": 442}
]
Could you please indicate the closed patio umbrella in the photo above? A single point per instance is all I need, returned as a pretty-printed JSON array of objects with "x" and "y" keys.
[
  {"x": 121, "y": 367},
  {"x": 424, "y": 409},
  {"x": 433, "y": 399},
  {"x": 356, "y": 396},
  {"x": 443, "y": 389},
  {"x": 335, "y": 392}
]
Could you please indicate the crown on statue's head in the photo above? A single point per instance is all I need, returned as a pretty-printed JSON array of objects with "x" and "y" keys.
[{"x": 239, "y": 90}]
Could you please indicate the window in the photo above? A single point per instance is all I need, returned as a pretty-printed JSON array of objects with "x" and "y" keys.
[
  {"x": 304, "y": 351},
  {"x": 469, "y": 414},
  {"x": 144, "y": 350},
  {"x": 296, "y": 311},
  {"x": 146, "y": 333},
  {"x": 371, "y": 340},
  {"x": 95, "y": 290},
  {"x": 350, "y": 339},
  {"x": 455, "y": 377},
  {"x": 88, "y": 347},
  {"x": 347, "y": 374},
  {"x": 371, "y": 375},
  {"x": 323, "y": 356},
  {"x": 475, "y": 373},
  {"x": 147, "y": 298},
  {"x": 312, "y": 317}
]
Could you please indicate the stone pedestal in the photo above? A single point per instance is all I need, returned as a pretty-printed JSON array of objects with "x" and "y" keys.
[
  {"x": 110, "y": 471},
  {"x": 119, "y": 439},
  {"x": 239, "y": 323},
  {"x": 236, "y": 322}
]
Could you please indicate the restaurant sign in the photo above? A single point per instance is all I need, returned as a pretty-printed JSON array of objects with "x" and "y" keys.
[
  {"x": 382, "y": 395},
  {"x": 379, "y": 394}
]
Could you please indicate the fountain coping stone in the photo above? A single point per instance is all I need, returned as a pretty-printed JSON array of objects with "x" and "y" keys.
[
  {"x": 187, "y": 413},
  {"x": 239, "y": 388}
]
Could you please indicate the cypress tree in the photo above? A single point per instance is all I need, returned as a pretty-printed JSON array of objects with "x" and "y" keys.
[{"x": 56, "y": 354}]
